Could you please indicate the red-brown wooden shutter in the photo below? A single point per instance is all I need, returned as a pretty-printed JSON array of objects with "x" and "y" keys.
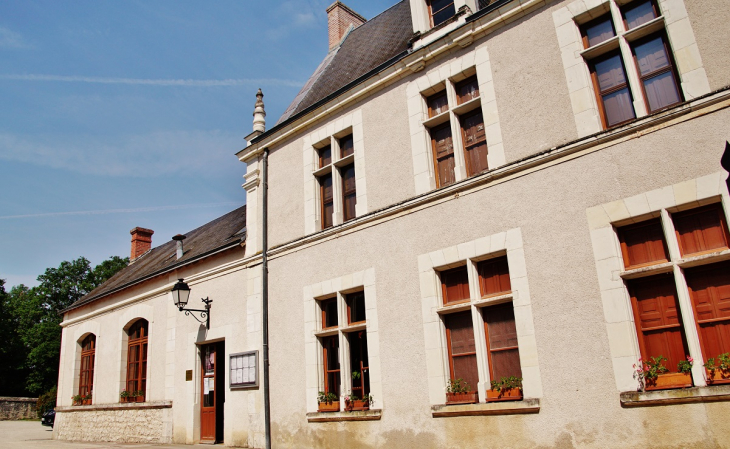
[
  {"x": 494, "y": 276},
  {"x": 643, "y": 243},
  {"x": 349, "y": 195},
  {"x": 443, "y": 149},
  {"x": 709, "y": 288},
  {"x": 346, "y": 146},
  {"x": 137, "y": 357},
  {"x": 462, "y": 350},
  {"x": 325, "y": 156},
  {"x": 467, "y": 90},
  {"x": 701, "y": 230},
  {"x": 658, "y": 319},
  {"x": 455, "y": 285},
  {"x": 437, "y": 104},
  {"x": 86, "y": 374},
  {"x": 501, "y": 334},
  {"x": 325, "y": 183},
  {"x": 475, "y": 142}
]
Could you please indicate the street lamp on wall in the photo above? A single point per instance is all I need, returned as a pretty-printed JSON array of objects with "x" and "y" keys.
[{"x": 181, "y": 295}]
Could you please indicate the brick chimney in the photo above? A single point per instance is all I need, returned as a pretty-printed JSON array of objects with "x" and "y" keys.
[
  {"x": 141, "y": 242},
  {"x": 339, "y": 19}
]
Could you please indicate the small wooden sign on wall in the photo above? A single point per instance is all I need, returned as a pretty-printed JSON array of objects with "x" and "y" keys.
[{"x": 189, "y": 375}]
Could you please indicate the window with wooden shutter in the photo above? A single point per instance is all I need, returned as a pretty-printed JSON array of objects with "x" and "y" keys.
[
  {"x": 325, "y": 194},
  {"x": 443, "y": 150},
  {"x": 86, "y": 374},
  {"x": 638, "y": 13},
  {"x": 701, "y": 230},
  {"x": 501, "y": 336},
  {"x": 137, "y": 357},
  {"x": 494, "y": 277},
  {"x": 462, "y": 349},
  {"x": 349, "y": 195},
  {"x": 643, "y": 244},
  {"x": 612, "y": 89},
  {"x": 325, "y": 156},
  {"x": 359, "y": 364},
  {"x": 658, "y": 319},
  {"x": 597, "y": 31},
  {"x": 475, "y": 142},
  {"x": 331, "y": 358},
  {"x": 656, "y": 70},
  {"x": 455, "y": 285},
  {"x": 355, "y": 307},
  {"x": 467, "y": 90},
  {"x": 437, "y": 104},
  {"x": 347, "y": 146},
  {"x": 709, "y": 289}
]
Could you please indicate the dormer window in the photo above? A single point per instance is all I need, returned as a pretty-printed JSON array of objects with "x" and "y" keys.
[{"x": 440, "y": 11}]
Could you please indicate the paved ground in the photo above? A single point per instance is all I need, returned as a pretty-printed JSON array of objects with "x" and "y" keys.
[{"x": 32, "y": 435}]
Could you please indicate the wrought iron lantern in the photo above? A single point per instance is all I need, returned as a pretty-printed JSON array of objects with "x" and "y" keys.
[{"x": 181, "y": 295}]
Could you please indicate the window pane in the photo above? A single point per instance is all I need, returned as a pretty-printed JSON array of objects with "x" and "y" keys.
[
  {"x": 598, "y": 32},
  {"x": 709, "y": 289},
  {"x": 356, "y": 302},
  {"x": 494, "y": 276},
  {"x": 442, "y": 10},
  {"x": 610, "y": 73},
  {"x": 466, "y": 367},
  {"x": 455, "y": 285},
  {"x": 661, "y": 91},
  {"x": 643, "y": 243},
  {"x": 651, "y": 56},
  {"x": 467, "y": 90},
  {"x": 437, "y": 104},
  {"x": 618, "y": 107},
  {"x": 325, "y": 183},
  {"x": 506, "y": 364},
  {"x": 329, "y": 312},
  {"x": 346, "y": 146},
  {"x": 501, "y": 326},
  {"x": 359, "y": 363},
  {"x": 639, "y": 14},
  {"x": 461, "y": 333},
  {"x": 701, "y": 229}
]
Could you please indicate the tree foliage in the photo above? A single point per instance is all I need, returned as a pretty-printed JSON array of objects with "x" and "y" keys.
[{"x": 34, "y": 318}]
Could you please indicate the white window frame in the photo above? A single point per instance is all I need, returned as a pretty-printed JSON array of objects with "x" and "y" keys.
[
  {"x": 339, "y": 287},
  {"x": 603, "y": 221},
  {"x": 330, "y": 134},
  {"x": 449, "y": 73},
  {"x": 673, "y": 19},
  {"x": 470, "y": 253}
]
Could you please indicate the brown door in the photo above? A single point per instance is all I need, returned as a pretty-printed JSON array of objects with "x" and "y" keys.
[{"x": 211, "y": 404}]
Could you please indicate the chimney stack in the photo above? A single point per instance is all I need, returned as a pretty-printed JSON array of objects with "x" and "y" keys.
[
  {"x": 179, "y": 239},
  {"x": 339, "y": 19},
  {"x": 141, "y": 242}
]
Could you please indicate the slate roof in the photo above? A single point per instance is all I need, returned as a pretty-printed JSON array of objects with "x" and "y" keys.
[
  {"x": 366, "y": 47},
  {"x": 221, "y": 233}
]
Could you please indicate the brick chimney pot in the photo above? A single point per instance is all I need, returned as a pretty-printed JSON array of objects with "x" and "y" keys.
[
  {"x": 141, "y": 242},
  {"x": 339, "y": 19}
]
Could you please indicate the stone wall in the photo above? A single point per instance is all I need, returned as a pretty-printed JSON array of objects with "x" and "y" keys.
[
  {"x": 118, "y": 423},
  {"x": 17, "y": 408}
]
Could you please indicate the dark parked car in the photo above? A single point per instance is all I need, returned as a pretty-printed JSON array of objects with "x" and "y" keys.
[{"x": 48, "y": 418}]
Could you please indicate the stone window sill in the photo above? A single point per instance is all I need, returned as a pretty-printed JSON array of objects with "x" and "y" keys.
[
  {"x": 679, "y": 396},
  {"x": 117, "y": 406},
  {"x": 526, "y": 406},
  {"x": 366, "y": 415}
]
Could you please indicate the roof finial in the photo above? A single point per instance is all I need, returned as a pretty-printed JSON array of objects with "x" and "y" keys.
[{"x": 259, "y": 121}]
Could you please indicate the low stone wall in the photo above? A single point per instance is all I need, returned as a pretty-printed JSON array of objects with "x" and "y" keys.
[
  {"x": 17, "y": 408},
  {"x": 118, "y": 423}
]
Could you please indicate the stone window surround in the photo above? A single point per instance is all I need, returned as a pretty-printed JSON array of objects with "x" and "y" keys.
[
  {"x": 676, "y": 23},
  {"x": 603, "y": 219},
  {"x": 81, "y": 332},
  {"x": 126, "y": 320},
  {"x": 447, "y": 72},
  {"x": 469, "y": 253},
  {"x": 358, "y": 281},
  {"x": 328, "y": 134}
]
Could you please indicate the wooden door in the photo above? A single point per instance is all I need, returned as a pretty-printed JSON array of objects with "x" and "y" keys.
[{"x": 208, "y": 399}]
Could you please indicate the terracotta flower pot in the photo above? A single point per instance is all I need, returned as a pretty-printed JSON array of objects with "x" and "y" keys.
[
  {"x": 718, "y": 376},
  {"x": 333, "y": 406},
  {"x": 513, "y": 394},
  {"x": 86, "y": 402},
  {"x": 462, "y": 398},
  {"x": 129, "y": 399},
  {"x": 669, "y": 380},
  {"x": 357, "y": 406}
]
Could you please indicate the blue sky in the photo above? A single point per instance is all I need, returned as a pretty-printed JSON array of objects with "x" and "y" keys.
[{"x": 116, "y": 114}]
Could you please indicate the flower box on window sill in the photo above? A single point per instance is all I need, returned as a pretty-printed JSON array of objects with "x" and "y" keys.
[
  {"x": 513, "y": 394},
  {"x": 718, "y": 376},
  {"x": 328, "y": 407},
  {"x": 82, "y": 402},
  {"x": 669, "y": 381},
  {"x": 357, "y": 406},
  {"x": 133, "y": 399},
  {"x": 462, "y": 398}
]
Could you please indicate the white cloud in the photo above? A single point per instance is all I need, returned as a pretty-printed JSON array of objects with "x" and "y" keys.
[
  {"x": 10, "y": 39},
  {"x": 155, "y": 82},
  {"x": 149, "y": 155}
]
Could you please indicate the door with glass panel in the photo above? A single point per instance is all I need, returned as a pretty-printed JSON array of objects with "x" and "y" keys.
[{"x": 212, "y": 394}]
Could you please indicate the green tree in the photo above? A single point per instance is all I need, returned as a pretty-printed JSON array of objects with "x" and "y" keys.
[
  {"x": 37, "y": 312},
  {"x": 12, "y": 351}
]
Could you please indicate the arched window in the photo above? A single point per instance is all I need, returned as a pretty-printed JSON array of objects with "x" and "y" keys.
[
  {"x": 86, "y": 374},
  {"x": 137, "y": 358}
]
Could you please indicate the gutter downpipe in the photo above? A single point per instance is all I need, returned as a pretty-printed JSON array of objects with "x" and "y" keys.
[{"x": 265, "y": 296}]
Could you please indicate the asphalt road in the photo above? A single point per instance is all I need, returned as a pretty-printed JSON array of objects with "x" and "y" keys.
[{"x": 32, "y": 435}]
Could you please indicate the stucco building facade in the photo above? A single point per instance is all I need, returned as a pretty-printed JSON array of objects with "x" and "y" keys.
[{"x": 470, "y": 190}]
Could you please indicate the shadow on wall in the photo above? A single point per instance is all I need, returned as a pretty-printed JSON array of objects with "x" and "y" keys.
[{"x": 725, "y": 162}]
